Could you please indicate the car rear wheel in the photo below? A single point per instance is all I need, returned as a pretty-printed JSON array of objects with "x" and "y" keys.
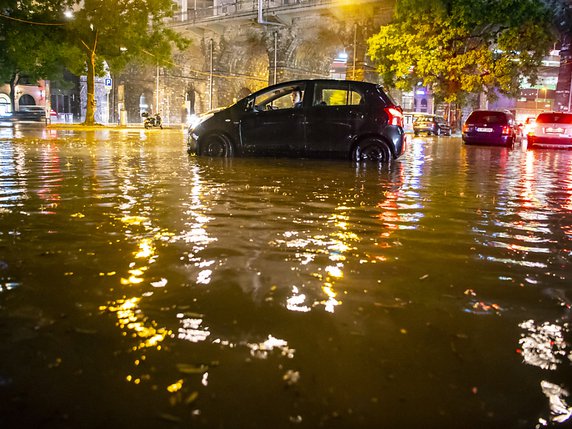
[
  {"x": 371, "y": 150},
  {"x": 217, "y": 146}
]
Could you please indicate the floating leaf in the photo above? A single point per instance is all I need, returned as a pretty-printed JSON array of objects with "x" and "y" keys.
[{"x": 192, "y": 398}]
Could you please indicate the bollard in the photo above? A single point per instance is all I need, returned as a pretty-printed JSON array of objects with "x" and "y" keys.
[{"x": 123, "y": 118}]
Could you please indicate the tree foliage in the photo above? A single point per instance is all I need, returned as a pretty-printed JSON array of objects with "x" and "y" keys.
[
  {"x": 462, "y": 47},
  {"x": 31, "y": 34},
  {"x": 118, "y": 31},
  {"x": 37, "y": 40}
]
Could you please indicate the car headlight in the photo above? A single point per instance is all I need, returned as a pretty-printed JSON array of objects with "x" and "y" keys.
[{"x": 196, "y": 120}]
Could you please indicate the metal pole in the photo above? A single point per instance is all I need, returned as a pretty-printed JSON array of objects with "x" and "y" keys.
[
  {"x": 354, "y": 59},
  {"x": 211, "y": 77},
  {"x": 570, "y": 94},
  {"x": 275, "y": 54},
  {"x": 157, "y": 90}
]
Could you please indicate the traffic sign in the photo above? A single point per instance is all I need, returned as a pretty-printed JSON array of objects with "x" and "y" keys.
[{"x": 108, "y": 82}]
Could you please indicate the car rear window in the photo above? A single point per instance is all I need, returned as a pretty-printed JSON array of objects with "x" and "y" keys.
[
  {"x": 552, "y": 118},
  {"x": 488, "y": 117}
]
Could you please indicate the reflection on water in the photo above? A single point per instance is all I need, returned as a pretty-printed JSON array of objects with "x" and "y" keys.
[{"x": 272, "y": 293}]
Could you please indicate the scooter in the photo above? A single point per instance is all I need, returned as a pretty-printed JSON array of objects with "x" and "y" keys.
[{"x": 152, "y": 121}]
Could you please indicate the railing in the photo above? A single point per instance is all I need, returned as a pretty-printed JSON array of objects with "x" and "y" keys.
[{"x": 237, "y": 8}]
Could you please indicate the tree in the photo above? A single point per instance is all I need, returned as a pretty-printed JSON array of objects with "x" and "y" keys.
[
  {"x": 117, "y": 32},
  {"x": 462, "y": 47},
  {"x": 31, "y": 34}
]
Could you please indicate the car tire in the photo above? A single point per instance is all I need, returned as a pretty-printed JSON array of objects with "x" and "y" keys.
[
  {"x": 217, "y": 146},
  {"x": 371, "y": 150}
]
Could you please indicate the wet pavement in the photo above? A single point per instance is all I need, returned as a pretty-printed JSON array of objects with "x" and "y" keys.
[{"x": 141, "y": 287}]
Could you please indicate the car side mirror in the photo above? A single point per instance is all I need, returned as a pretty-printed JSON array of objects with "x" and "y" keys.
[{"x": 250, "y": 107}]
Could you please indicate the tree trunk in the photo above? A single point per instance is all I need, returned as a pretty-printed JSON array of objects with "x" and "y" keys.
[
  {"x": 13, "y": 83},
  {"x": 90, "y": 107}
]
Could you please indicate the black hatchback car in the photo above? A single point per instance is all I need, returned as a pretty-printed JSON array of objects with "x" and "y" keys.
[{"x": 307, "y": 118}]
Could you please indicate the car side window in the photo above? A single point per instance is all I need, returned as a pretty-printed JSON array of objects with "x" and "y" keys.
[
  {"x": 289, "y": 97},
  {"x": 331, "y": 96}
]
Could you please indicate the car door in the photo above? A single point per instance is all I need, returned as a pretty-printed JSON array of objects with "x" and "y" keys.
[
  {"x": 273, "y": 123},
  {"x": 334, "y": 117}
]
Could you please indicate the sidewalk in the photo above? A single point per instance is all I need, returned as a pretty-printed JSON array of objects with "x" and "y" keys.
[{"x": 138, "y": 126}]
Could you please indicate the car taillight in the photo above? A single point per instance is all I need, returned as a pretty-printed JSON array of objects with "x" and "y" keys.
[
  {"x": 394, "y": 116},
  {"x": 505, "y": 130},
  {"x": 465, "y": 128}
]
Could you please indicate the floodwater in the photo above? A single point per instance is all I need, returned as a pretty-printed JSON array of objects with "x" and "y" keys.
[{"x": 141, "y": 287}]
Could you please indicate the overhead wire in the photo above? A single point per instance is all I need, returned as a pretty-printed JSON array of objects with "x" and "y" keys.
[{"x": 25, "y": 21}]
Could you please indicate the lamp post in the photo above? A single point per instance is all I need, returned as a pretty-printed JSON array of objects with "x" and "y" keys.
[
  {"x": 211, "y": 77},
  {"x": 354, "y": 59},
  {"x": 570, "y": 95}
]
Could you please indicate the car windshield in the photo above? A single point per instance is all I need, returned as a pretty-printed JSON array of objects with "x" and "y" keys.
[
  {"x": 488, "y": 117},
  {"x": 554, "y": 118}
]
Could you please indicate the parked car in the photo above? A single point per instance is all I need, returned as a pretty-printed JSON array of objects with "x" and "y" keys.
[
  {"x": 552, "y": 129},
  {"x": 490, "y": 127},
  {"x": 334, "y": 119},
  {"x": 431, "y": 125},
  {"x": 30, "y": 113}
]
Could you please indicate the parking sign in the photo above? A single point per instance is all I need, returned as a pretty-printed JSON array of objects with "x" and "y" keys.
[{"x": 108, "y": 82}]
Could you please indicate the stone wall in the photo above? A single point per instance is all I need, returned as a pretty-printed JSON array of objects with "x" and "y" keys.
[{"x": 239, "y": 58}]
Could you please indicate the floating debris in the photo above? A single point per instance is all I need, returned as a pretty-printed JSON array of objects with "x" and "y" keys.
[
  {"x": 169, "y": 418},
  {"x": 160, "y": 283},
  {"x": 291, "y": 377},
  {"x": 185, "y": 368}
]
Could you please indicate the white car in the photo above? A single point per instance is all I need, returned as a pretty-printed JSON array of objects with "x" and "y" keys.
[{"x": 552, "y": 129}]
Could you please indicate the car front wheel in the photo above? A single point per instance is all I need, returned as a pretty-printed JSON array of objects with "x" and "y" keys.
[
  {"x": 217, "y": 146},
  {"x": 371, "y": 150}
]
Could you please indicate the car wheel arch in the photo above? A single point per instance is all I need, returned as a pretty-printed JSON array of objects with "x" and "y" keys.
[
  {"x": 212, "y": 136},
  {"x": 366, "y": 140}
]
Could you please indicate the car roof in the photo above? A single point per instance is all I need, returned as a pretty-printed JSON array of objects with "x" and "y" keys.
[
  {"x": 32, "y": 107},
  {"x": 481, "y": 113},
  {"x": 554, "y": 117},
  {"x": 306, "y": 81}
]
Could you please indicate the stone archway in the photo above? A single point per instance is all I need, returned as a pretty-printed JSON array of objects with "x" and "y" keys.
[
  {"x": 5, "y": 106},
  {"x": 26, "y": 100}
]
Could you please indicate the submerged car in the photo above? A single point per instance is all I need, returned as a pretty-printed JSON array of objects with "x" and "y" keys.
[
  {"x": 431, "y": 125},
  {"x": 551, "y": 129},
  {"x": 307, "y": 118},
  {"x": 490, "y": 127}
]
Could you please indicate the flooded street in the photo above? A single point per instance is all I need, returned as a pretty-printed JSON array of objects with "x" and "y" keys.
[{"x": 143, "y": 288}]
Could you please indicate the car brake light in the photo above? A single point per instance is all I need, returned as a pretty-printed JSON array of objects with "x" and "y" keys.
[
  {"x": 505, "y": 130},
  {"x": 465, "y": 128},
  {"x": 394, "y": 116}
]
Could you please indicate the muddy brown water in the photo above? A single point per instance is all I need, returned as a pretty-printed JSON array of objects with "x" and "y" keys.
[{"x": 141, "y": 287}]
